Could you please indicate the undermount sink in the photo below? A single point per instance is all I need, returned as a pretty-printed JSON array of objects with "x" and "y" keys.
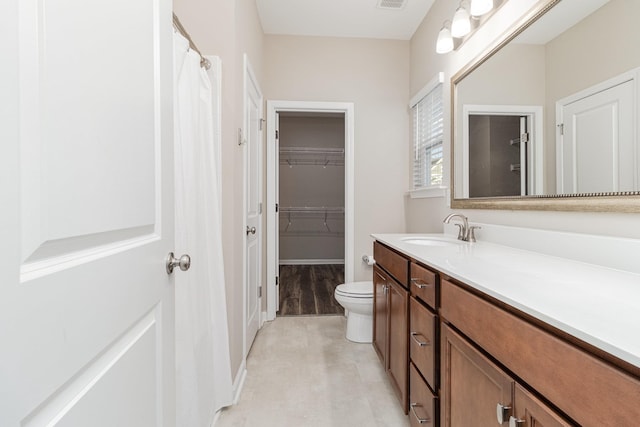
[{"x": 431, "y": 241}]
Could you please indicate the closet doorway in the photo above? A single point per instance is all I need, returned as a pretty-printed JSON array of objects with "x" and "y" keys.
[{"x": 309, "y": 199}]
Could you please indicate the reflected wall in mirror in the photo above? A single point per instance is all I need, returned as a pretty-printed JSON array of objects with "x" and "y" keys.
[{"x": 553, "y": 111}]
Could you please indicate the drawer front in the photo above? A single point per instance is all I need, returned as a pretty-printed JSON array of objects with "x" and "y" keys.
[
  {"x": 423, "y": 407},
  {"x": 423, "y": 341},
  {"x": 579, "y": 384},
  {"x": 394, "y": 263},
  {"x": 423, "y": 284}
]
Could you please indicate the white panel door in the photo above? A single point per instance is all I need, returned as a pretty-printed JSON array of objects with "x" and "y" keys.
[
  {"x": 86, "y": 306},
  {"x": 598, "y": 152},
  {"x": 253, "y": 205}
]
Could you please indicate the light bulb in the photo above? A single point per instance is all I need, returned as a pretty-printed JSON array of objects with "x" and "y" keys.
[
  {"x": 461, "y": 25},
  {"x": 444, "y": 44},
  {"x": 480, "y": 7}
]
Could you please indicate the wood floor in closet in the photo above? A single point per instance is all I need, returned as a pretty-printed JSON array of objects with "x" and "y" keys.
[{"x": 308, "y": 289}]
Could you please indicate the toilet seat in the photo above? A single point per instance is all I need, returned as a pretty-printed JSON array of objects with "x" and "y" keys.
[{"x": 355, "y": 290}]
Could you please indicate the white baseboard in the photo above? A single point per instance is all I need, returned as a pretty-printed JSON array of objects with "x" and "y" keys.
[
  {"x": 310, "y": 261},
  {"x": 241, "y": 375}
]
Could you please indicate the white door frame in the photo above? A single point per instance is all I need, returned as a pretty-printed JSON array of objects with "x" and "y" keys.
[
  {"x": 273, "y": 108},
  {"x": 534, "y": 114},
  {"x": 250, "y": 78}
]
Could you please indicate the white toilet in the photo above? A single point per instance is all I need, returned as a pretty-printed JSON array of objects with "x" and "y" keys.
[{"x": 357, "y": 300}]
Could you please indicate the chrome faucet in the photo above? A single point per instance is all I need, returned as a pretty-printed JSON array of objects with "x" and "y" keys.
[{"x": 465, "y": 233}]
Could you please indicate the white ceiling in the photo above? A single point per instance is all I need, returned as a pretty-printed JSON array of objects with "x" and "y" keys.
[{"x": 341, "y": 18}]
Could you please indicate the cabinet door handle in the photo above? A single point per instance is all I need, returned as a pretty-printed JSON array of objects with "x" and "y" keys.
[
  {"x": 420, "y": 343},
  {"x": 420, "y": 284},
  {"x": 515, "y": 422},
  {"x": 413, "y": 411},
  {"x": 502, "y": 413}
]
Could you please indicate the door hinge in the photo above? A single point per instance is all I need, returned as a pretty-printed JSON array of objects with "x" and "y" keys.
[
  {"x": 277, "y": 134},
  {"x": 277, "y": 207},
  {"x": 260, "y": 208},
  {"x": 261, "y": 123},
  {"x": 240, "y": 137},
  {"x": 259, "y": 291},
  {"x": 277, "y": 280},
  {"x": 524, "y": 138},
  {"x": 561, "y": 126}
]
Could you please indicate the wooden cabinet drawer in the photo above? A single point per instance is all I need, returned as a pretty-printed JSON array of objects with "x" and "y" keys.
[
  {"x": 394, "y": 263},
  {"x": 423, "y": 341},
  {"x": 423, "y": 407},
  {"x": 423, "y": 284},
  {"x": 579, "y": 384}
]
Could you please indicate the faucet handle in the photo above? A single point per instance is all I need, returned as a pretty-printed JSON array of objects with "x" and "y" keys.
[{"x": 472, "y": 234}]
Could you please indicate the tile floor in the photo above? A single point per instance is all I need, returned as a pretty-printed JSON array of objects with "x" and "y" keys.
[{"x": 303, "y": 372}]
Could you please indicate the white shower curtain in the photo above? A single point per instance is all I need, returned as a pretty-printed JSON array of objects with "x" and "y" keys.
[{"x": 203, "y": 369}]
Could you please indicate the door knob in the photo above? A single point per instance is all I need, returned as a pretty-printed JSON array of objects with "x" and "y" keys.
[
  {"x": 251, "y": 230},
  {"x": 184, "y": 262}
]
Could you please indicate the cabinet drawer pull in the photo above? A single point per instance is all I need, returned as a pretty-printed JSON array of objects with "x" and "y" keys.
[
  {"x": 420, "y": 284},
  {"x": 420, "y": 343},
  {"x": 515, "y": 422},
  {"x": 413, "y": 411}
]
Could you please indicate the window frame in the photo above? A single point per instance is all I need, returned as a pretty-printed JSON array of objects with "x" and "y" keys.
[{"x": 427, "y": 190}]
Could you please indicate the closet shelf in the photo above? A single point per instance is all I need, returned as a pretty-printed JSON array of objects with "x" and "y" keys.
[
  {"x": 310, "y": 233},
  {"x": 293, "y": 156}
]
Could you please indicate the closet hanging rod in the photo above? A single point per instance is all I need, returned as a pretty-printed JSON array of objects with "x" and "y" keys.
[
  {"x": 310, "y": 150},
  {"x": 204, "y": 62}
]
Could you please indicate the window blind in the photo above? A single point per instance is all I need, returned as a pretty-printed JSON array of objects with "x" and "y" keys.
[{"x": 428, "y": 128}]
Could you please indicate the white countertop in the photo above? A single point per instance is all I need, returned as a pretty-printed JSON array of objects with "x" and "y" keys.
[{"x": 598, "y": 305}]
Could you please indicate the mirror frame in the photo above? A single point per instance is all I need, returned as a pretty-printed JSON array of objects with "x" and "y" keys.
[{"x": 588, "y": 202}]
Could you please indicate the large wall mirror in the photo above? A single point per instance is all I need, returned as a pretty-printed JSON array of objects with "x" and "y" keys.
[{"x": 549, "y": 119}]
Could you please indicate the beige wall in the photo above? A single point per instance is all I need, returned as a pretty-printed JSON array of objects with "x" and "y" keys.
[
  {"x": 603, "y": 45},
  {"x": 228, "y": 29},
  {"x": 425, "y": 215},
  {"x": 373, "y": 74}
]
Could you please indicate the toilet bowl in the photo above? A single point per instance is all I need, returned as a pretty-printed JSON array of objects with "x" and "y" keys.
[{"x": 357, "y": 300}]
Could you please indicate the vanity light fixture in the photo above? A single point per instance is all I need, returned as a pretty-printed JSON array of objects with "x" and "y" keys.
[
  {"x": 480, "y": 7},
  {"x": 469, "y": 15},
  {"x": 445, "y": 41},
  {"x": 461, "y": 25}
]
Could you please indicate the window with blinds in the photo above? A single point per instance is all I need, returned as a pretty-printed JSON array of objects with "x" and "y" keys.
[{"x": 428, "y": 128}]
